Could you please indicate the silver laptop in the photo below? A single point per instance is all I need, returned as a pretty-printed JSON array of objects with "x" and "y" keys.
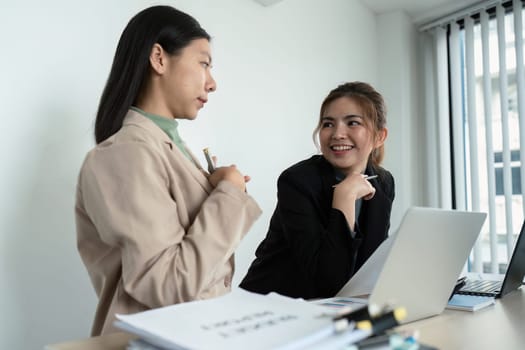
[
  {"x": 513, "y": 277},
  {"x": 417, "y": 267}
]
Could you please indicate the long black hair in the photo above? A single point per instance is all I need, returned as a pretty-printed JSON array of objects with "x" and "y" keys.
[{"x": 170, "y": 28}]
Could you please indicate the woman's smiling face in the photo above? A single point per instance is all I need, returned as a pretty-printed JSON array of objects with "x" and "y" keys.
[{"x": 345, "y": 137}]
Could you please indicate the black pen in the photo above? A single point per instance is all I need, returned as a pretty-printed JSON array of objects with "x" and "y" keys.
[
  {"x": 383, "y": 322},
  {"x": 348, "y": 320}
]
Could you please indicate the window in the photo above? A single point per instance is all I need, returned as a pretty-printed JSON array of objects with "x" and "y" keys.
[
  {"x": 515, "y": 172},
  {"x": 480, "y": 113}
]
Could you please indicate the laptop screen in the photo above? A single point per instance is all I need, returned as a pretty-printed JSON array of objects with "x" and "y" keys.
[
  {"x": 516, "y": 269},
  {"x": 418, "y": 266}
]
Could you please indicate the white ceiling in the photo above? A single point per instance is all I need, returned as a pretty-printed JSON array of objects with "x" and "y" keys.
[
  {"x": 267, "y": 2},
  {"x": 420, "y": 11}
]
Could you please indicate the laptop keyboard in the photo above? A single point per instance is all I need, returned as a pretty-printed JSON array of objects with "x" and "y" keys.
[{"x": 481, "y": 287}]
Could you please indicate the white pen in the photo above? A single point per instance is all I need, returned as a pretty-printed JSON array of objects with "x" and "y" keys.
[
  {"x": 211, "y": 167},
  {"x": 366, "y": 177}
]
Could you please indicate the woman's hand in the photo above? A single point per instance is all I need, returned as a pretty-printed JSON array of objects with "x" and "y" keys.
[
  {"x": 229, "y": 173},
  {"x": 353, "y": 187}
]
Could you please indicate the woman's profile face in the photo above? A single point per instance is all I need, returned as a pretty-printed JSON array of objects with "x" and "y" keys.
[
  {"x": 345, "y": 138},
  {"x": 188, "y": 81}
]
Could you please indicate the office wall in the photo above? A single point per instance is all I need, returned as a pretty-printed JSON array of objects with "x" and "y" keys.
[
  {"x": 400, "y": 83},
  {"x": 273, "y": 66}
]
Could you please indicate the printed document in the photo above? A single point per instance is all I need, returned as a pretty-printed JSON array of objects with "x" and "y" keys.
[{"x": 238, "y": 320}]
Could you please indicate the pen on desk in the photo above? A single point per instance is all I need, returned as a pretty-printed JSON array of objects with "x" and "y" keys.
[
  {"x": 366, "y": 177},
  {"x": 211, "y": 167},
  {"x": 348, "y": 320},
  {"x": 384, "y": 322}
]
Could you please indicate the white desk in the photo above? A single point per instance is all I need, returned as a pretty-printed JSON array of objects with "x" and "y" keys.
[{"x": 501, "y": 326}]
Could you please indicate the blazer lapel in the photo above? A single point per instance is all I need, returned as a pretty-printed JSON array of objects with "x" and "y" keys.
[{"x": 194, "y": 168}]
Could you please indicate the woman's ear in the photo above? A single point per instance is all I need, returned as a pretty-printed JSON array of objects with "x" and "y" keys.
[
  {"x": 381, "y": 137},
  {"x": 157, "y": 59}
]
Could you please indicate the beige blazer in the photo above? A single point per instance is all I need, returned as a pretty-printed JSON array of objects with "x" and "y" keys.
[{"x": 151, "y": 230}]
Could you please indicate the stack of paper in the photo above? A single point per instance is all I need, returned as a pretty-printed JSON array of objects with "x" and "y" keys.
[{"x": 238, "y": 320}]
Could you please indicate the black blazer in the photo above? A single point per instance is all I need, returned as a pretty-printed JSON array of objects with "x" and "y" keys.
[{"x": 309, "y": 251}]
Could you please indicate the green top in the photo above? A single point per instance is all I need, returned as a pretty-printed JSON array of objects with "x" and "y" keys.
[{"x": 169, "y": 126}]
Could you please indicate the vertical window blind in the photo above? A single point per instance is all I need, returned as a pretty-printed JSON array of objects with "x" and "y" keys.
[{"x": 475, "y": 116}]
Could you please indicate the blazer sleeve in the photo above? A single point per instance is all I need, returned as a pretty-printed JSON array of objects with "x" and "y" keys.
[
  {"x": 126, "y": 194},
  {"x": 325, "y": 252},
  {"x": 388, "y": 184}
]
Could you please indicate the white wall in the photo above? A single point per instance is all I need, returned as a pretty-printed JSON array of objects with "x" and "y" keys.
[
  {"x": 273, "y": 66},
  {"x": 399, "y": 82}
]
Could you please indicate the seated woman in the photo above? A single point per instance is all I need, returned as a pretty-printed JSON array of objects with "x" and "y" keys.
[{"x": 329, "y": 217}]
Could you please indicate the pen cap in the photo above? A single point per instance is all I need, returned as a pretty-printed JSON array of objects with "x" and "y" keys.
[{"x": 375, "y": 310}]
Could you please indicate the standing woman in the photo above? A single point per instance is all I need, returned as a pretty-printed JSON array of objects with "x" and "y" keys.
[
  {"x": 153, "y": 227},
  {"x": 329, "y": 218}
]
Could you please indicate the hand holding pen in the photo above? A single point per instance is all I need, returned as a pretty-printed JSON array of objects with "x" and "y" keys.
[
  {"x": 345, "y": 194},
  {"x": 211, "y": 163},
  {"x": 355, "y": 186},
  {"x": 366, "y": 177},
  {"x": 228, "y": 173}
]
